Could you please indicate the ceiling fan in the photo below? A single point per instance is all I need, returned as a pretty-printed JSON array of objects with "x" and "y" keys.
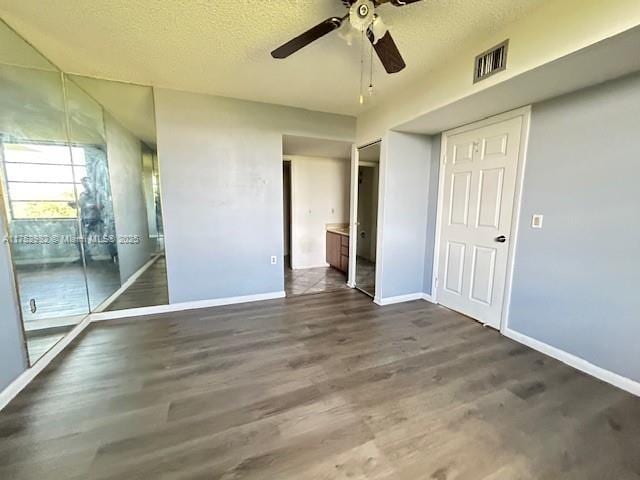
[{"x": 362, "y": 17}]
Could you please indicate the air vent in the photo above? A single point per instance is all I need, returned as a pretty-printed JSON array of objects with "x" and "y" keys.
[{"x": 492, "y": 61}]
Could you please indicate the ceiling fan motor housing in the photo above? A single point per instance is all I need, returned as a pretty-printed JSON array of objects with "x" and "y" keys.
[
  {"x": 362, "y": 18},
  {"x": 361, "y": 14}
]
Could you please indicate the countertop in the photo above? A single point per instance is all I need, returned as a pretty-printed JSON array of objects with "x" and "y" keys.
[{"x": 339, "y": 230}]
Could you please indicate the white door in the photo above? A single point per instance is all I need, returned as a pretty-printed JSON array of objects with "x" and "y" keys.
[{"x": 479, "y": 188}]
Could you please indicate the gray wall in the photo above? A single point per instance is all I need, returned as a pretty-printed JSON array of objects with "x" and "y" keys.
[
  {"x": 576, "y": 280},
  {"x": 129, "y": 204},
  {"x": 406, "y": 168},
  {"x": 12, "y": 355},
  {"x": 221, "y": 175}
]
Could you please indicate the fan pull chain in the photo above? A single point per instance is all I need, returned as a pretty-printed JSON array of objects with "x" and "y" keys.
[
  {"x": 371, "y": 71},
  {"x": 361, "y": 68}
]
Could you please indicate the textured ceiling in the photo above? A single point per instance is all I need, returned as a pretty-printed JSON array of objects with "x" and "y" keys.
[{"x": 222, "y": 46}]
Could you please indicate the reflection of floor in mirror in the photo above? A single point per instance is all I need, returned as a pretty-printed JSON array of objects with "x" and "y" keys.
[
  {"x": 148, "y": 290},
  {"x": 43, "y": 333},
  {"x": 60, "y": 290},
  {"x": 39, "y": 343},
  {"x": 313, "y": 280},
  {"x": 366, "y": 275}
]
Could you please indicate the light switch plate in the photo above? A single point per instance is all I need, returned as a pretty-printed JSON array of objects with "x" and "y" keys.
[
  {"x": 536, "y": 221},
  {"x": 274, "y": 260}
]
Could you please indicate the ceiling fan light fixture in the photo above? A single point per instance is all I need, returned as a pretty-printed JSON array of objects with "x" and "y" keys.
[{"x": 348, "y": 33}]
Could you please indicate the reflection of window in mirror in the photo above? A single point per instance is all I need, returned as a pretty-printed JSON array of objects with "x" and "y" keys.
[{"x": 41, "y": 179}]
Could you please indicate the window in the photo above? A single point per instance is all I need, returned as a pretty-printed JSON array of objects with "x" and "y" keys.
[{"x": 41, "y": 179}]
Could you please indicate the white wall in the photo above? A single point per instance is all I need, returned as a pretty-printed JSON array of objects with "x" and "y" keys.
[
  {"x": 129, "y": 204},
  {"x": 221, "y": 175},
  {"x": 320, "y": 196}
]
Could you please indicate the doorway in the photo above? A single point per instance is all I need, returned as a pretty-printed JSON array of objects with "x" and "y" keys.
[
  {"x": 316, "y": 189},
  {"x": 286, "y": 212},
  {"x": 479, "y": 185},
  {"x": 367, "y": 218}
]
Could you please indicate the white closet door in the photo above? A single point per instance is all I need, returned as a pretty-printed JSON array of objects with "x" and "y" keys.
[{"x": 479, "y": 187}]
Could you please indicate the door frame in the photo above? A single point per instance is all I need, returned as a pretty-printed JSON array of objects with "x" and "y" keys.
[
  {"x": 353, "y": 221},
  {"x": 525, "y": 113}
]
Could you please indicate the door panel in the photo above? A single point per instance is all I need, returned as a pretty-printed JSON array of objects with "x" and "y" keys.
[
  {"x": 455, "y": 267},
  {"x": 459, "y": 200},
  {"x": 482, "y": 274},
  {"x": 495, "y": 146},
  {"x": 490, "y": 201},
  {"x": 333, "y": 249},
  {"x": 463, "y": 152},
  {"x": 480, "y": 174}
]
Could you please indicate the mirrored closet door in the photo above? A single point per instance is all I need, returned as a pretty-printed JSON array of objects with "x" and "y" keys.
[
  {"x": 119, "y": 119},
  {"x": 367, "y": 218},
  {"x": 80, "y": 193},
  {"x": 40, "y": 184}
]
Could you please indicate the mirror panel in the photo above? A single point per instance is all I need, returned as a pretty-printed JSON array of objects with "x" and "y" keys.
[
  {"x": 39, "y": 190},
  {"x": 367, "y": 218},
  {"x": 94, "y": 206},
  {"x": 129, "y": 126}
]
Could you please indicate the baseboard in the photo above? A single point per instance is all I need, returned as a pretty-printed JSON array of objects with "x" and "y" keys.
[
  {"x": 578, "y": 363},
  {"x": 307, "y": 267},
  {"x": 399, "y": 299},
  {"x": 181, "y": 306},
  {"x": 428, "y": 298},
  {"x": 28, "y": 375},
  {"x": 137, "y": 274}
]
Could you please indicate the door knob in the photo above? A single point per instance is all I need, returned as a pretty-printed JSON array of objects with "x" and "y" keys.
[{"x": 501, "y": 239}]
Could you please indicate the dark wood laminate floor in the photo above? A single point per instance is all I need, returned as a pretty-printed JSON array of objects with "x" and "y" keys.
[{"x": 326, "y": 386}]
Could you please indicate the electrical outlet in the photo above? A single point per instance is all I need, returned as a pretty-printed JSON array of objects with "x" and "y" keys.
[
  {"x": 536, "y": 221},
  {"x": 274, "y": 260}
]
